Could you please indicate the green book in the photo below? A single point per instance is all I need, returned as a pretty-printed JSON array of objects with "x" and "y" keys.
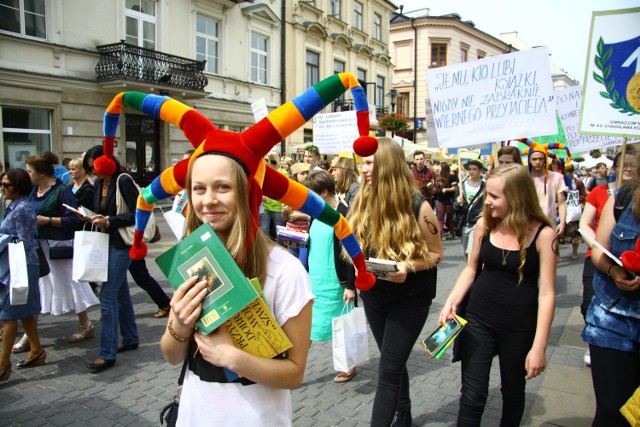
[{"x": 202, "y": 254}]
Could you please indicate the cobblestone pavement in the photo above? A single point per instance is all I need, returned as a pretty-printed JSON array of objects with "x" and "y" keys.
[{"x": 63, "y": 392}]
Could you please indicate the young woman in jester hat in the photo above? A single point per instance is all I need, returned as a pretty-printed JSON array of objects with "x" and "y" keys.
[
  {"x": 613, "y": 319},
  {"x": 510, "y": 279},
  {"x": 226, "y": 178},
  {"x": 393, "y": 221}
]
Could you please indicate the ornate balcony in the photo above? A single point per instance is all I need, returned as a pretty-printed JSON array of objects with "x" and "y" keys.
[
  {"x": 121, "y": 61},
  {"x": 347, "y": 105}
]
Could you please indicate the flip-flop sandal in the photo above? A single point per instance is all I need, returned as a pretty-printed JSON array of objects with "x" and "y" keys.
[
  {"x": 343, "y": 377},
  {"x": 163, "y": 312}
]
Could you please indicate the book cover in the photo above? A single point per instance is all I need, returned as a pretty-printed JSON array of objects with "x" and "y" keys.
[
  {"x": 380, "y": 267},
  {"x": 81, "y": 210},
  {"x": 202, "y": 254},
  {"x": 291, "y": 238},
  {"x": 436, "y": 343}
]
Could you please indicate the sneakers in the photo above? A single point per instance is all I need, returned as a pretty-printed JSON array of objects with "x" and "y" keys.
[{"x": 587, "y": 358}]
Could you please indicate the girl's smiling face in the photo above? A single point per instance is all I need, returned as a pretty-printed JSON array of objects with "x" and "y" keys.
[
  {"x": 495, "y": 199},
  {"x": 213, "y": 195}
]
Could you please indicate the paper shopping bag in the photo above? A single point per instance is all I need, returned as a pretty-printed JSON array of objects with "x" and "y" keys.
[
  {"x": 19, "y": 276},
  {"x": 350, "y": 340},
  {"x": 176, "y": 222},
  {"x": 90, "y": 256}
]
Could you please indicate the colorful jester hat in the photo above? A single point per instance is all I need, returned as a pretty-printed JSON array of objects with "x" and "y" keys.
[{"x": 248, "y": 148}]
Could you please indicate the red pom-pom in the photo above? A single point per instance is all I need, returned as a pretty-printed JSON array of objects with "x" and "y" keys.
[
  {"x": 631, "y": 261},
  {"x": 365, "y": 146},
  {"x": 104, "y": 166},
  {"x": 365, "y": 281},
  {"x": 138, "y": 253}
]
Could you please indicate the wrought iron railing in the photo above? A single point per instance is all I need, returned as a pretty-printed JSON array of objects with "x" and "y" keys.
[{"x": 122, "y": 61}]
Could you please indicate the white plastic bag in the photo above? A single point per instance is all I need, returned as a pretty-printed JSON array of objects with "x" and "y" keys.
[
  {"x": 574, "y": 211},
  {"x": 176, "y": 222},
  {"x": 90, "y": 256},
  {"x": 19, "y": 281},
  {"x": 350, "y": 340}
]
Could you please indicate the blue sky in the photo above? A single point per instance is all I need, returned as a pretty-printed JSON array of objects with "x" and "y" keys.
[{"x": 561, "y": 25}]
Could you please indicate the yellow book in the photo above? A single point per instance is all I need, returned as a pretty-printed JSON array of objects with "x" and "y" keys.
[{"x": 254, "y": 330}]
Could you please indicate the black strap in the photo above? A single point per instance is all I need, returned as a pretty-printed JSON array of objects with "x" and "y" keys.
[
  {"x": 183, "y": 371},
  {"x": 473, "y": 199}
]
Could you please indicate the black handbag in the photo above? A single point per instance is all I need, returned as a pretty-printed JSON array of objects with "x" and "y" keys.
[
  {"x": 42, "y": 261},
  {"x": 61, "y": 252},
  {"x": 169, "y": 413}
]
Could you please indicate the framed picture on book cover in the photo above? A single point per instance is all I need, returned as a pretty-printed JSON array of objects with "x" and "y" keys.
[{"x": 202, "y": 266}]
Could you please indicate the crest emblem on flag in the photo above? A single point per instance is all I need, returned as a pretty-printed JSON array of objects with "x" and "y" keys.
[{"x": 619, "y": 68}]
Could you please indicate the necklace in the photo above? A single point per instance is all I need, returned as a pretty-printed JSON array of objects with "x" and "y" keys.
[{"x": 504, "y": 255}]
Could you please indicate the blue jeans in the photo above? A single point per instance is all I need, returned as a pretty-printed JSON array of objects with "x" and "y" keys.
[
  {"x": 268, "y": 222},
  {"x": 116, "y": 306}
]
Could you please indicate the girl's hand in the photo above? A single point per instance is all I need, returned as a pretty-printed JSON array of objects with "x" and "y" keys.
[
  {"x": 217, "y": 347},
  {"x": 100, "y": 221},
  {"x": 447, "y": 312},
  {"x": 186, "y": 304},
  {"x": 348, "y": 295},
  {"x": 398, "y": 276},
  {"x": 535, "y": 363},
  {"x": 620, "y": 277}
]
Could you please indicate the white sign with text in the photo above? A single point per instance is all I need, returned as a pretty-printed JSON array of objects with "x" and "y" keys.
[
  {"x": 334, "y": 133},
  {"x": 493, "y": 99}
]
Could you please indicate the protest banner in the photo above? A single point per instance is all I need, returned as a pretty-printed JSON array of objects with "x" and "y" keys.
[
  {"x": 611, "y": 98},
  {"x": 493, "y": 99},
  {"x": 334, "y": 133},
  {"x": 569, "y": 102}
]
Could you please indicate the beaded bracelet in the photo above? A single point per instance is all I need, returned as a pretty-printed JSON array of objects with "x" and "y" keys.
[{"x": 175, "y": 335}]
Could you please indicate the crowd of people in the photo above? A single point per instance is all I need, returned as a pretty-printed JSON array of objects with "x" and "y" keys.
[{"x": 510, "y": 216}]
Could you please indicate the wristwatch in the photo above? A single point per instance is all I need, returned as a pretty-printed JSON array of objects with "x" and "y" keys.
[{"x": 107, "y": 226}]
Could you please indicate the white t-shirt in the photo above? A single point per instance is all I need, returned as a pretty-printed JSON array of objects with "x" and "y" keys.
[{"x": 287, "y": 290}]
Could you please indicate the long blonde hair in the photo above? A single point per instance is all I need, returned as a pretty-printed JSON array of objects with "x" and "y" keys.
[
  {"x": 524, "y": 207},
  {"x": 382, "y": 216},
  {"x": 253, "y": 260}
]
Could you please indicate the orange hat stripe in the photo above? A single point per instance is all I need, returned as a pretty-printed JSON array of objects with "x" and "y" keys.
[
  {"x": 342, "y": 228},
  {"x": 296, "y": 195},
  {"x": 169, "y": 183},
  {"x": 172, "y": 111},
  {"x": 143, "y": 205},
  {"x": 115, "y": 106},
  {"x": 286, "y": 119}
]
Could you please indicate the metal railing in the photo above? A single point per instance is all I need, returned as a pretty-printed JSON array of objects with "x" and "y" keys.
[
  {"x": 347, "y": 105},
  {"x": 122, "y": 61}
]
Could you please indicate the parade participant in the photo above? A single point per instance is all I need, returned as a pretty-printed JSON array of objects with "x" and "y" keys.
[
  {"x": 226, "y": 178},
  {"x": 424, "y": 177},
  {"x": 271, "y": 216},
  {"x": 343, "y": 170},
  {"x": 115, "y": 301},
  {"x": 576, "y": 186},
  {"x": 393, "y": 222},
  {"x": 332, "y": 277},
  {"x": 312, "y": 157},
  {"x": 285, "y": 165},
  {"x": 599, "y": 177},
  {"x": 510, "y": 301},
  {"x": 549, "y": 185},
  {"x": 595, "y": 202},
  {"x": 509, "y": 154},
  {"x": 297, "y": 220},
  {"x": 446, "y": 187},
  {"x": 19, "y": 219},
  {"x": 468, "y": 203},
  {"x": 59, "y": 293},
  {"x": 613, "y": 318}
]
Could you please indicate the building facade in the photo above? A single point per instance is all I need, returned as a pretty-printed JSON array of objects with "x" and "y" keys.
[
  {"x": 61, "y": 62},
  {"x": 332, "y": 36}
]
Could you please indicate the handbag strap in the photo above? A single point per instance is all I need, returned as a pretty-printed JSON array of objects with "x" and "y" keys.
[{"x": 121, "y": 204}]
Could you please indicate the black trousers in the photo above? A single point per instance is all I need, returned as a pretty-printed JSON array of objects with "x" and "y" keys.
[
  {"x": 587, "y": 285},
  {"x": 616, "y": 375},
  {"x": 478, "y": 344},
  {"x": 141, "y": 276},
  {"x": 395, "y": 332}
]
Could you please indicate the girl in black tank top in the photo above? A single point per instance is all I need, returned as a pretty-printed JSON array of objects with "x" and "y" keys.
[{"x": 509, "y": 283}]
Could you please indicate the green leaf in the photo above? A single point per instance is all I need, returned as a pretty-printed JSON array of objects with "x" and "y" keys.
[
  {"x": 609, "y": 85},
  {"x": 614, "y": 96},
  {"x": 607, "y": 54},
  {"x": 607, "y": 71},
  {"x": 599, "y": 63},
  {"x": 598, "y": 78},
  {"x": 600, "y": 45},
  {"x": 605, "y": 95}
]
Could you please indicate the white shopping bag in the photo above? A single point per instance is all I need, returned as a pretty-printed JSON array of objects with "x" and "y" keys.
[
  {"x": 90, "y": 256},
  {"x": 19, "y": 281},
  {"x": 176, "y": 222},
  {"x": 350, "y": 340},
  {"x": 574, "y": 211}
]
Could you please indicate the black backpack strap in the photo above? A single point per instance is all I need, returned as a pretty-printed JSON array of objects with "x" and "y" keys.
[{"x": 624, "y": 197}]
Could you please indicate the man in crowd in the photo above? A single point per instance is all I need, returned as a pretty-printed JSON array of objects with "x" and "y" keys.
[
  {"x": 550, "y": 187},
  {"x": 425, "y": 177},
  {"x": 600, "y": 176},
  {"x": 468, "y": 203}
]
